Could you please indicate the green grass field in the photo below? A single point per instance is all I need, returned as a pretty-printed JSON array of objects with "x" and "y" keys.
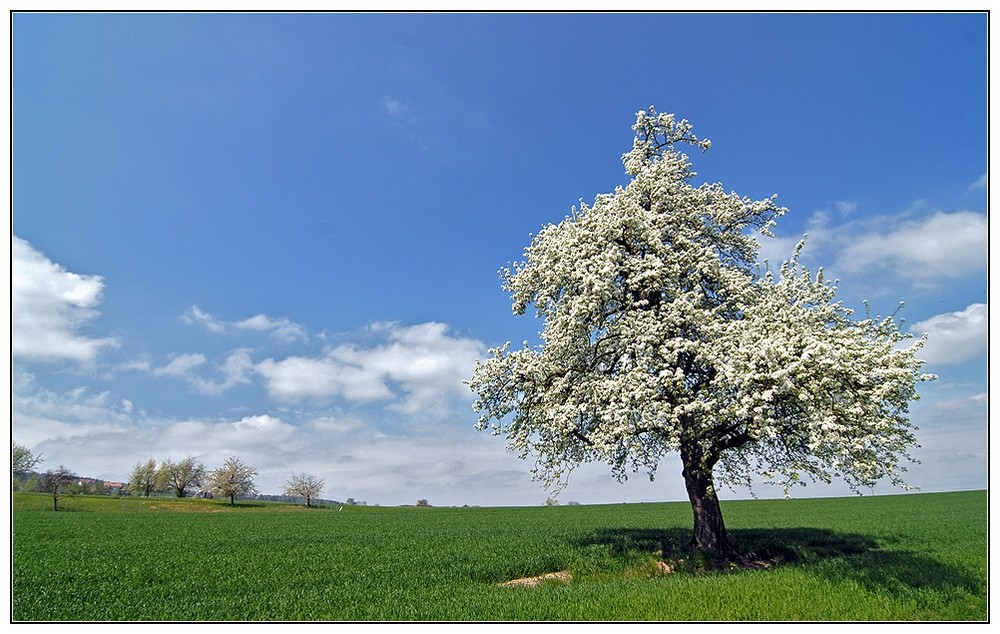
[{"x": 908, "y": 557}]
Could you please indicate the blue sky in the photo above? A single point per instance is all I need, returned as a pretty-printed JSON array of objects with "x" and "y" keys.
[{"x": 277, "y": 236}]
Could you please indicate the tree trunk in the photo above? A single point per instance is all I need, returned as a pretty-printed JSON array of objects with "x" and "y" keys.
[{"x": 709, "y": 529}]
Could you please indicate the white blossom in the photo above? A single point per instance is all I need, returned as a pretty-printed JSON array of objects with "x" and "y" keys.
[{"x": 662, "y": 332}]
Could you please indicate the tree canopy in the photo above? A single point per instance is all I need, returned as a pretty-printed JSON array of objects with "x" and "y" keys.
[
  {"x": 663, "y": 333},
  {"x": 22, "y": 461},
  {"x": 182, "y": 476},
  {"x": 233, "y": 479},
  {"x": 55, "y": 480},
  {"x": 145, "y": 478},
  {"x": 304, "y": 485}
]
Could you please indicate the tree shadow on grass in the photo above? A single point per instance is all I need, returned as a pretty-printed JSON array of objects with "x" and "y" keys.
[{"x": 835, "y": 555}]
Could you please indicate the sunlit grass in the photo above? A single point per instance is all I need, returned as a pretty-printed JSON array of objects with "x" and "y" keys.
[{"x": 905, "y": 557}]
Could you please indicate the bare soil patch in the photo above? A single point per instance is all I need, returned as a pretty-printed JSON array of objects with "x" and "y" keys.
[
  {"x": 563, "y": 577},
  {"x": 656, "y": 568}
]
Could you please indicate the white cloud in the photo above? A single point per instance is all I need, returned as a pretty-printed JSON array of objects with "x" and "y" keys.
[
  {"x": 411, "y": 369},
  {"x": 446, "y": 462},
  {"x": 845, "y": 207},
  {"x": 296, "y": 379},
  {"x": 397, "y": 111},
  {"x": 874, "y": 256},
  {"x": 39, "y": 414},
  {"x": 195, "y": 315},
  {"x": 944, "y": 245},
  {"x": 50, "y": 306},
  {"x": 257, "y": 439},
  {"x": 393, "y": 106},
  {"x": 954, "y": 337},
  {"x": 236, "y": 370},
  {"x": 442, "y": 459},
  {"x": 181, "y": 365},
  {"x": 980, "y": 184},
  {"x": 141, "y": 364},
  {"x": 954, "y": 437},
  {"x": 423, "y": 361},
  {"x": 283, "y": 330}
]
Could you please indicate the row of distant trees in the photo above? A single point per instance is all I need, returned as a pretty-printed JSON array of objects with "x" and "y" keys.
[{"x": 234, "y": 479}]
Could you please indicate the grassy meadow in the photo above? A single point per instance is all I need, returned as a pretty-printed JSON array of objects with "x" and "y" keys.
[{"x": 914, "y": 557}]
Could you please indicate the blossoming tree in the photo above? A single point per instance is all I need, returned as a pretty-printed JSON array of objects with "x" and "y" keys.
[
  {"x": 662, "y": 333},
  {"x": 233, "y": 479}
]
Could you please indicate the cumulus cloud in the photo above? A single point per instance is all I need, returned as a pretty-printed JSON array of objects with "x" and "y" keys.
[
  {"x": 423, "y": 362},
  {"x": 409, "y": 368},
  {"x": 283, "y": 330},
  {"x": 954, "y": 438},
  {"x": 954, "y": 337},
  {"x": 256, "y": 439},
  {"x": 99, "y": 436},
  {"x": 440, "y": 459},
  {"x": 297, "y": 379},
  {"x": 40, "y": 414},
  {"x": 875, "y": 255},
  {"x": 820, "y": 239},
  {"x": 50, "y": 306},
  {"x": 944, "y": 245}
]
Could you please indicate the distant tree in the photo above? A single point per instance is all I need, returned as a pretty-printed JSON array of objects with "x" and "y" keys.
[
  {"x": 22, "y": 463},
  {"x": 86, "y": 486},
  {"x": 55, "y": 481},
  {"x": 233, "y": 479},
  {"x": 304, "y": 485},
  {"x": 34, "y": 483},
  {"x": 182, "y": 476},
  {"x": 664, "y": 333},
  {"x": 145, "y": 479},
  {"x": 79, "y": 486},
  {"x": 423, "y": 503}
]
